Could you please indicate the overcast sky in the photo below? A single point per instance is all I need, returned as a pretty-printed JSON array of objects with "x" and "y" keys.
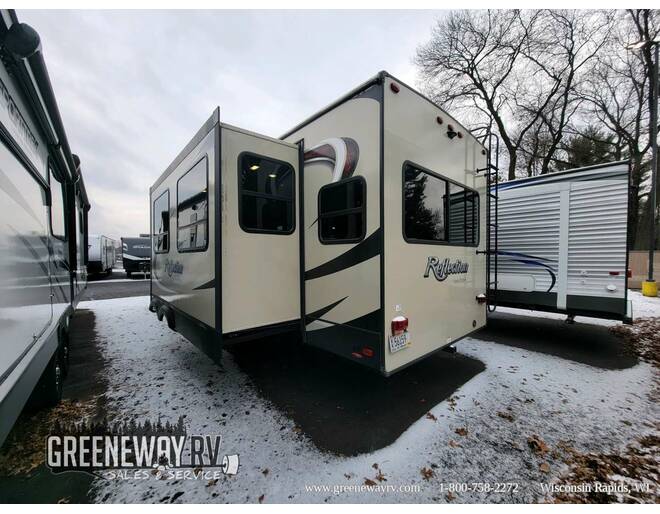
[{"x": 134, "y": 86}]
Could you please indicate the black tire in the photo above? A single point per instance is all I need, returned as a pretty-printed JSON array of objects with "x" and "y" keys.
[{"x": 128, "y": 274}]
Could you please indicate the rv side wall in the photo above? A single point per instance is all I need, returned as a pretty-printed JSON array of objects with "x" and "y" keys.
[
  {"x": 441, "y": 306},
  {"x": 343, "y": 273},
  {"x": 183, "y": 256}
]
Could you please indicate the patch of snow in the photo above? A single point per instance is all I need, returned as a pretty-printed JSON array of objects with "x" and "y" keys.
[{"x": 155, "y": 372}]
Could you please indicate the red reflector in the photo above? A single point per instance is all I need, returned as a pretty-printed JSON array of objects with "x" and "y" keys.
[
  {"x": 629, "y": 274},
  {"x": 399, "y": 325},
  {"x": 394, "y": 87},
  {"x": 614, "y": 273},
  {"x": 367, "y": 352},
  {"x": 356, "y": 355}
]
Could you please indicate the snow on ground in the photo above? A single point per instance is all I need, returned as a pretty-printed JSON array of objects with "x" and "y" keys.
[{"x": 155, "y": 372}]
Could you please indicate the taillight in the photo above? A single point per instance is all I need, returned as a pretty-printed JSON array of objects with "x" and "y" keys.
[
  {"x": 614, "y": 273},
  {"x": 367, "y": 352},
  {"x": 399, "y": 325},
  {"x": 629, "y": 274}
]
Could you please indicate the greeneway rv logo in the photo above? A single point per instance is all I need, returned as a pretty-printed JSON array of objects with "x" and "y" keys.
[
  {"x": 172, "y": 267},
  {"x": 443, "y": 268},
  {"x": 138, "y": 451}
]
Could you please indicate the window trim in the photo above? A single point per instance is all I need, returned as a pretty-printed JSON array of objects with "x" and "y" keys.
[
  {"x": 208, "y": 210},
  {"x": 50, "y": 207},
  {"x": 169, "y": 224},
  {"x": 265, "y": 195},
  {"x": 411, "y": 240},
  {"x": 354, "y": 210}
]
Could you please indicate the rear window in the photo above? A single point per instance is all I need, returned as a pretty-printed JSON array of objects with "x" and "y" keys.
[
  {"x": 437, "y": 210},
  {"x": 342, "y": 211}
]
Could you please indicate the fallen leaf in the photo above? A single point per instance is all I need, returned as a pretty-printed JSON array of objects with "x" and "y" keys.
[
  {"x": 506, "y": 415},
  {"x": 545, "y": 467},
  {"x": 375, "y": 465},
  {"x": 427, "y": 473},
  {"x": 537, "y": 445},
  {"x": 454, "y": 444},
  {"x": 369, "y": 482},
  {"x": 380, "y": 477},
  {"x": 261, "y": 498},
  {"x": 462, "y": 431},
  {"x": 451, "y": 496},
  {"x": 431, "y": 416},
  {"x": 212, "y": 482}
]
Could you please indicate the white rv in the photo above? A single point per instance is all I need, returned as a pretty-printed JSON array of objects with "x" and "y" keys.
[
  {"x": 562, "y": 242},
  {"x": 360, "y": 228},
  {"x": 43, "y": 205},
  {"x": 102, "y": 254}
]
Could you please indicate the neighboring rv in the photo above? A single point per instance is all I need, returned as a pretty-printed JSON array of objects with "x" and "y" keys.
[
  {"x": 102, "y": 254},
  {"x": 363, "y": 228},
  {"x": 562, "y": 242},
  {"x": 43, "y": 236},
  {"x": 136, "y": 254}
]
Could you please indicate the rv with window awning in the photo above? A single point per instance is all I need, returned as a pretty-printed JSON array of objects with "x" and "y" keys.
[
  {"x": 362, "y": 228},
  {"x": 43, "y": 236}
]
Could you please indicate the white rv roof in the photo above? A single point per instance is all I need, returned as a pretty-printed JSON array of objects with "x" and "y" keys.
[{"x": 605, "y": 170}]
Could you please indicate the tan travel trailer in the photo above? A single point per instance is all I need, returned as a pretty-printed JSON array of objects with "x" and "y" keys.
[{"x": 364, "y": 228}]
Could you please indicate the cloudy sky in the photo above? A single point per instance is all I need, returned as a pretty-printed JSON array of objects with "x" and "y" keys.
[{"x": 134, "y": 86}]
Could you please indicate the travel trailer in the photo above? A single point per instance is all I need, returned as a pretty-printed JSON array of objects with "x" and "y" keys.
[
  {"x": 102, "y": 254},
  {"x": 363, "y": 228},
  {"x": 562, "y": 242},
  {"x": 44, "y": 209},
  {"x": 136, "y": 254}
]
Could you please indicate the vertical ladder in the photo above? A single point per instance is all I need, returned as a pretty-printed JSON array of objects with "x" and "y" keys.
[{"x": 492, "y": 180}]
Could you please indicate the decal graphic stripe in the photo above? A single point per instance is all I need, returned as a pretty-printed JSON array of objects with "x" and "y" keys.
[
  {"x": 208, "y": 285},
  {"x": 319, "y": 313},
  {"x": 361, "y": 252}
]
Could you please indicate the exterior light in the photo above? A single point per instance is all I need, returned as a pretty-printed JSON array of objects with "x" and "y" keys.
[{"x": 254, "y": 167}]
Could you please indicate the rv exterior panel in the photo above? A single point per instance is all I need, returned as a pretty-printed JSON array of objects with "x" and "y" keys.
[
  {"x": 41, "y": 195},
  {"x": 562, "y": 242},
  {"x": 362, "y": 273}
]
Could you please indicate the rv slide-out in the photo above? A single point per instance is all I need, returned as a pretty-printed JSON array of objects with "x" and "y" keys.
[{"x": 362, "y": 230}]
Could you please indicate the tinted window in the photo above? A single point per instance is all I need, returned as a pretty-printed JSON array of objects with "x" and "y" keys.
[
  {"x": 342, "y": 211},
  {"x": 425, "y": 208},
  {"x": 192, "y": 209},
  {"x": 161, "y": 220},
  {"x": 266, "y": 189},
  {"x": 57, "y": 222}
]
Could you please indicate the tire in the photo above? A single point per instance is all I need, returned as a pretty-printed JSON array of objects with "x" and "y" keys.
[{"x": 128, "y": 274}]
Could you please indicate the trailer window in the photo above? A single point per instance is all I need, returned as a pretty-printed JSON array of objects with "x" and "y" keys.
[
  {"x": 462, "y": 215},
  {"x": 266, "y": 193},
  {"x": 437, "y": 210},
  {"x": 342, "y": 211},
  {"x": 425, "y": 206},
  {"x": 161, "y": 220},
  {"x": 57, "y": 220},
  {"x": 192, "y": 209}
]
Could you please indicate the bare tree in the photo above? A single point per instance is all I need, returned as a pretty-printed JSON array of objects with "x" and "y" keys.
[{"x": 470, "y": 64}]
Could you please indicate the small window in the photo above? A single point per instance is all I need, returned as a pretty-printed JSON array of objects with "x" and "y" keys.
[
  {"x": 266, "y": 195},
  {"x": 161, "y": 221},
  {"x": 342, "y": 211},
  {"x": 437, "y": 210},
  {"x": 57, "y": 219},
  {"x": 425, "y": 208},
  {"x": 192, "y": 209}
]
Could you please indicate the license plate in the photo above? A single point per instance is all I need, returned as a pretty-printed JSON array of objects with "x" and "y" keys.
[{"x": 399, "y": 342}]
